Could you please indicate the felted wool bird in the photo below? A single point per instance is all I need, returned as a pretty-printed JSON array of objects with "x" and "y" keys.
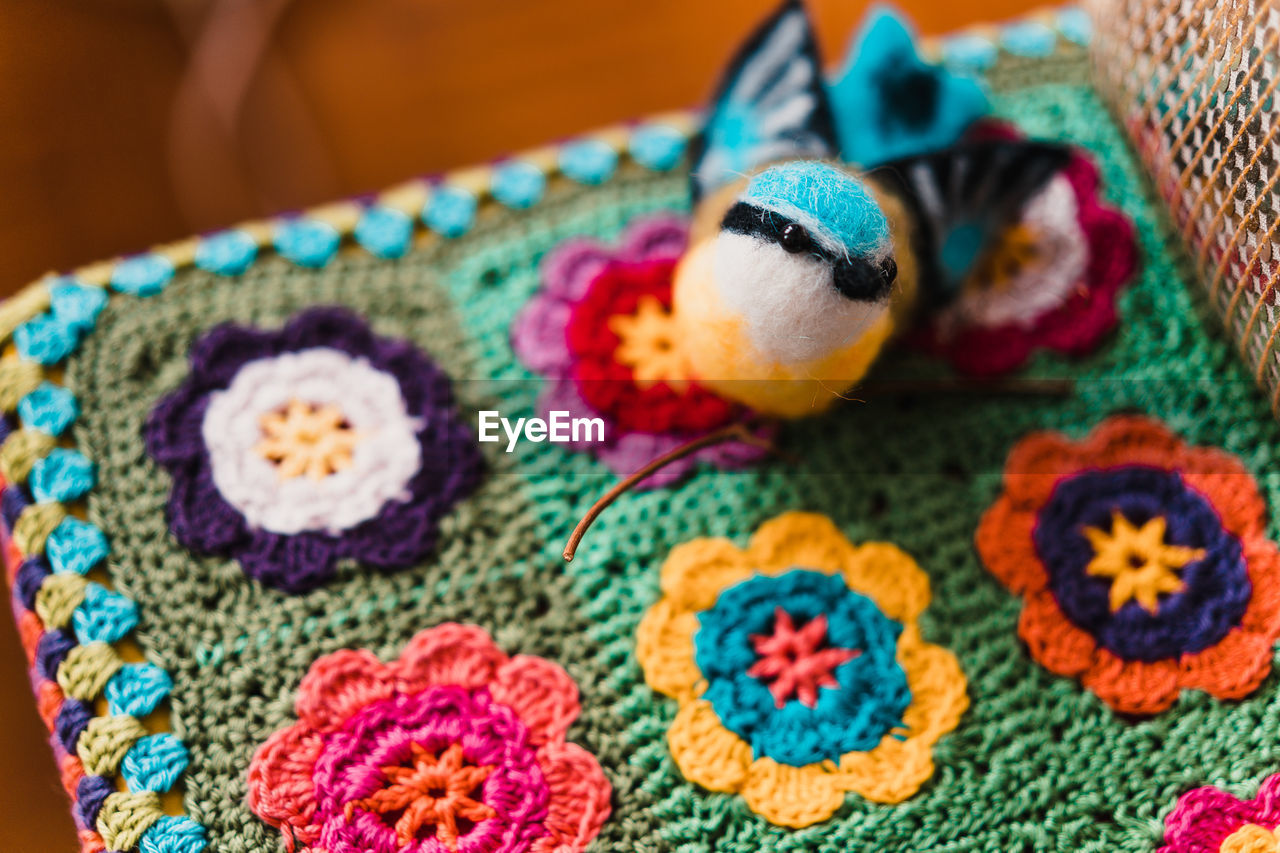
[{"x": 801, "y": 265}]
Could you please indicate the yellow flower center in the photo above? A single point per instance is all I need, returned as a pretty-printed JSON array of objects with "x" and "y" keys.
[
  {"x": 1140, "y": 564},
  {"x": 307, "y": 439},
  {"x": 647, "y": 344},
  {"x": 997, "y": 268},
  {"x": 1251, "y": 838}
]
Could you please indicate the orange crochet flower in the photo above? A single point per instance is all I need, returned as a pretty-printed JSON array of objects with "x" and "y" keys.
[{"x": 1143, "y": 563}]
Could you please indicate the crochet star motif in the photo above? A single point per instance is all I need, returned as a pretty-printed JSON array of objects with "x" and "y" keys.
[
  {"x": 434, "y": 792},
  {"x": 648, "y": 345},
  {"x": 1139, "y": 563},
  {"x": 306, "y": 439},
  {"x": 795, "y": 663}
]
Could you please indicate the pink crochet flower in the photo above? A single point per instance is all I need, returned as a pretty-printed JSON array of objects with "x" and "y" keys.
[
  {"x": 1209, "y": 820},
  {"x": 452, "y": 747},
  {"x": 1050, "y": 283},
  {"x": 598, "y": 331}
]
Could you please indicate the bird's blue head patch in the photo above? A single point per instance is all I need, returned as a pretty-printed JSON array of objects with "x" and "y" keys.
[{"x": 836, "y": 208}]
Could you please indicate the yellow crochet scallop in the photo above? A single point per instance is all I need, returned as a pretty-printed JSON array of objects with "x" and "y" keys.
[
  {"x": 696, "y": 571},
  {"x": 793, "y": 796},
  {"x": 665, "y": 640},
  {"x": 705, "y": 751},
  {"x": 887, "y": 574},
  {"x": 799, "y": 540},
  {"x": 1251, "y": 838},
  {"x": 711, "y": 755}
]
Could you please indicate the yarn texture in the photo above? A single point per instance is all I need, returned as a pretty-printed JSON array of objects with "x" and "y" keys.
[
  {"x": 1143, "y": 563},
  {"x": 453, "y": 746},
  {"x": 871, "y": 698},
  {"x": 1051, "y": 281},
  {"x": 601, "y": 330},
  {"x": 362, "y": 469},
  {"x": 999, "y": 750}
]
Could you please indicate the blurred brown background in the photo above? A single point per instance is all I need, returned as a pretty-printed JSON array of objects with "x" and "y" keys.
[{"x": 127, "y": 123}]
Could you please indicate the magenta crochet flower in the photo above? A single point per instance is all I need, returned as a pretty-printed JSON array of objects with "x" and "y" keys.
[
  {"x": 601, "y": 331},
  {"x": 1050, "y": 283},
  {"x": 292, "y": 448},
  {"x": 1209, "y": 820},
  {"x": 452, "y": 747}
]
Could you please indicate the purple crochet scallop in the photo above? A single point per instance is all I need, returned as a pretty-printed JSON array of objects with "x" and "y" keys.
[
  {"x": 540, "y": 339},
  {"x": 393, "y": 459}
]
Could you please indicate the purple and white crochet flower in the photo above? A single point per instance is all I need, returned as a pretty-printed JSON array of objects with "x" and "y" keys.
[{"x": 294, "y": 448}]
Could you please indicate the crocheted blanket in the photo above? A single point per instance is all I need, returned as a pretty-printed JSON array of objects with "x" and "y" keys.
[{"x": 277, "y": 593}]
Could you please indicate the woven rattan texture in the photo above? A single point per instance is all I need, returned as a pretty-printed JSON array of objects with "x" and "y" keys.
[
  {"x": 1193, "y": 83},
  {"x": 1037, "y": 763}
]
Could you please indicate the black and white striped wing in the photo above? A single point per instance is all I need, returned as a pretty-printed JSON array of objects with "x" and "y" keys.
[
  {"x": 964, "y": 196},
  {"x": 771, "y": 104}
]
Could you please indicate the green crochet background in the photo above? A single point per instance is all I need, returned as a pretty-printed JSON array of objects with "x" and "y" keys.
[{"x": 1037, "y": 762}]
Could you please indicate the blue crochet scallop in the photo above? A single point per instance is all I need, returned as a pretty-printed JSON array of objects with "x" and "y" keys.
[
  {"x": 226, "y": 253},
  {"x": 385, "y": 231},
  {"x": 451, "y": 211},
  {"x": 78, "y": 305},
  {"x": 590, "y": 161},
  {"x": 142, "y": 275},
  {"x": 307, "y": 242},
  {"x": 657, "y": 146},
  {"x": 137, "y": 689},
  {"x": 103, "y": 616}
]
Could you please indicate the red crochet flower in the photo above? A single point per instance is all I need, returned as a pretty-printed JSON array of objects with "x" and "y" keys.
[
  {"x": 1050, "y": 282},
  {"x": 620, "y": 334},
  {"x": 452, "y": 747},
  {"x": 600, "y": 330},
  {"x": 1143, "y": 564}
]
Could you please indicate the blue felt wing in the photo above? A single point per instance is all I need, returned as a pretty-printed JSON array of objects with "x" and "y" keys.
[
  {"x": 771, "y": 105},
  {"x": 889, "y": 103}
]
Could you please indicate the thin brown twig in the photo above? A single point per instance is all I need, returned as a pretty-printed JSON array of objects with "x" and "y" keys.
[
  {"x": 734, "y": 432},
  {"x": 742, "y": 431}
]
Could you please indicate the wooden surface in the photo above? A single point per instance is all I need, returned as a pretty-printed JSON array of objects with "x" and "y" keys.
[{"x": 128, "y": 123}]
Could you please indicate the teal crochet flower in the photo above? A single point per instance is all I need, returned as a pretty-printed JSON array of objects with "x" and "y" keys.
[
  {"x": 890, "y": 103},
  {"x": 802, "y": 667}
]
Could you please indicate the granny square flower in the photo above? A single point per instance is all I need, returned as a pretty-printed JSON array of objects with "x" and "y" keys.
[
  {"x": 799, "y": 669},
  {"x": 1049, "y": 283},
  {"x": 1143, "y": 564},
  {"x": 601, "y": 331},
  {"x": 454, "y": 746},
  {"x": 292, "y": 448},
  {"x": 1209, "y": 820}
]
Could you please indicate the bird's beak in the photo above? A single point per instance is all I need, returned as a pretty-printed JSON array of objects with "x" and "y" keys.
[{"x": 863, "y": 280}]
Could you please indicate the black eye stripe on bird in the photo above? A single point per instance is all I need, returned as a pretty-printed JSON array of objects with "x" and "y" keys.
[
  {"x": 853, "y": 277},
  {"x": 749, "y": 220}
]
